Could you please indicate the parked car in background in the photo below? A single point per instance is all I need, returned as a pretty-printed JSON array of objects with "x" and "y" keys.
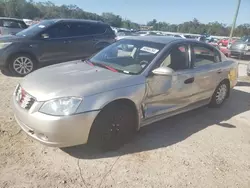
[
  {"x": 11, "y": 26},
  {"x": 28, "y": 22},
  {"x": 143, "y": 33},
  {"x": 52, "y": 41},
  {"x": 107, "y": 98},
  {"x": 120, "y": 35},
  {"x": 241, "y": 47},
  {"x": 225, "y": 42},
  {"x": 180, "y": 36},
  {"x": 225, "y": 51}
]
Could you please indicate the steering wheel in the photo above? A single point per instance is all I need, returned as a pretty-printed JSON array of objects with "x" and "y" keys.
[{"x": 143, "y": 63}]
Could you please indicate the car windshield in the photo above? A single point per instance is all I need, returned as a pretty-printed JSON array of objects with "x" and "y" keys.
[
  {"x": 245, "y": 39},
  {"x": 127, "y": 56},
  {"x": 36, "y": 28}
]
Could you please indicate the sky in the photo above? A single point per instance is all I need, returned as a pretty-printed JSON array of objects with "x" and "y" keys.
[{"x": 170, "y": 11}]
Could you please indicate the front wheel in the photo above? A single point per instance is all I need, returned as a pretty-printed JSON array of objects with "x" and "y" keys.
[
  {"x": 220, "y": 95},
  {"x": 113, "y": 127},
  {"x": 22, "y": 64}
]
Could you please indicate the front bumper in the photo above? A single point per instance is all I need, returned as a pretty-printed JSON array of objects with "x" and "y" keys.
[
  {"x": 55, "y": 131},
  {"x": 239, "y": 52}
]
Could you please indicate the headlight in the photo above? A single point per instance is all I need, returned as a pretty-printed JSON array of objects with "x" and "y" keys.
[
  {"x": 241, "y": 46},
  {"x": 61, "y": 107},
  {"x": 4, "y": 44}
]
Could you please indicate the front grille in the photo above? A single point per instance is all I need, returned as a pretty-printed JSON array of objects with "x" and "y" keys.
[
  {"x": 237, "y": 47},
  {"x": 24, "y": 99}
]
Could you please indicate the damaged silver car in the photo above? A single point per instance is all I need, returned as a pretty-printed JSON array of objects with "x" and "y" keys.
[{"x": 134, "y": 82}]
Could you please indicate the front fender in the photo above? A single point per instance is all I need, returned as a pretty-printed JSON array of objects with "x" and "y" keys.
[{"x": 135, "y": 93}]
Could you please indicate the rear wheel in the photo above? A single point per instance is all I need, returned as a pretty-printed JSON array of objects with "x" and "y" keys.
[
  {"x": 113, "y": 127},
  {"x": 220, "y": 95},
  {"x": 22, "y": 64}
]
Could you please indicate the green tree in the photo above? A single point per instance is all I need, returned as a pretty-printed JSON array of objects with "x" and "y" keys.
[
  {"x": 112, "y": 19},
  {"x": 46, "y": 10}
]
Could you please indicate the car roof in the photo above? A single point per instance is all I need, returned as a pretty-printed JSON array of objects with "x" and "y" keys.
[
  {"x": 79, "y": 20},
  {"x": 166, "y": 40},
  {"x": 6, "y": 18},
  {"x": 156, "y": 39}
]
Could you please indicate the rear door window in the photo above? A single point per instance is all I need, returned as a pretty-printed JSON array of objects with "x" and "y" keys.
[
  {"x": 97, "y": 29},
  {"x": 204, "y": 56},
  {"x": 80, "y": 29},
  {"x": 85, "y": 29}
]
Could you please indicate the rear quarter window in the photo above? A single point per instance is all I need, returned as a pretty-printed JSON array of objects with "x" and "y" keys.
[
  {"x": 109, "y": 30},
  {"x": 97, "y": 29}
]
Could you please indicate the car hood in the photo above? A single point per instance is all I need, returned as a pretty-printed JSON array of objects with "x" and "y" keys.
[
  {"x": 10, "y": 38},
  {"x": 238, "y": 45},
  {"x": 75, "y": 79}
]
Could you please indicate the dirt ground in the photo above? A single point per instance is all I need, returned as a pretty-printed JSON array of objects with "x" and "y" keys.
[{"x": 202, "y": 148}]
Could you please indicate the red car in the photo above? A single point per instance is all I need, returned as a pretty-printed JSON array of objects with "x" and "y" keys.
[
  {"x": 224, "y": 42},
  {"x": 224, "y": 50}
]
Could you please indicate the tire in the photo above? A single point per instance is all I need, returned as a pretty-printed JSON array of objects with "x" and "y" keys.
[
  {"x": 114, "y": 126},
  {"x": 22, "y": 64},
  {"x": 220, "y": 95}
]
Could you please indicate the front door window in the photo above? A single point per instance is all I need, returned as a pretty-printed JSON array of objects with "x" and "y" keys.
[{"x": 177, "y": 58}]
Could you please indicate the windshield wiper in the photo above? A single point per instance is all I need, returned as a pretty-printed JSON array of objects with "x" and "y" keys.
[{"x": 101, "y": 65}]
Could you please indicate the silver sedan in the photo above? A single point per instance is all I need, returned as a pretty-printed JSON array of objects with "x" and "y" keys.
[{"x": 104, "y": 100}]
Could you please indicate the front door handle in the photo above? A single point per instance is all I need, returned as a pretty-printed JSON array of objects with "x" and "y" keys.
[
  {"x": 67, "y": 41},
  {"x": 189, "y": 80}
]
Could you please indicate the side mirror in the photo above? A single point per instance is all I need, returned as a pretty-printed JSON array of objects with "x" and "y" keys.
[
  {"x": 164, "y": 71},
  {"x": 44, "y": 36}
]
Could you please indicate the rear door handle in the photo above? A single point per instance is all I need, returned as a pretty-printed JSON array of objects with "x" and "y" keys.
[{"x": 189, "y": 80}]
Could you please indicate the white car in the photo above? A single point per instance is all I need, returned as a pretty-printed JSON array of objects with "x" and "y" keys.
[{"x": 180, "y": 36}]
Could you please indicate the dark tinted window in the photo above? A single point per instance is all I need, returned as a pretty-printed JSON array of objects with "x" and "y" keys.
[
  {"x": 35, "y": 29},
  {"x": 84, "y": 29},
  {"x": 80, "y": 29},
  {"x": 109, "y": 30},
  {"x": 60, "y": 30},
  {"x": 98, "y": 29},
  {"x": 245, "y": 39}
]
